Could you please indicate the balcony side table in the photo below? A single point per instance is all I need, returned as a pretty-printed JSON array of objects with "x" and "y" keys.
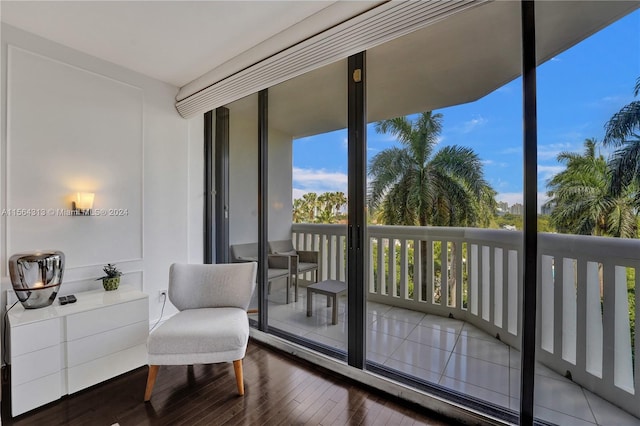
[{"x": 332, "y": 289}]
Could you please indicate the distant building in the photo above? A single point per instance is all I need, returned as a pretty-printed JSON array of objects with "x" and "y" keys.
[
  {"x": 547, "y": 208},
  {"x": 516, "y": 209},
  {"x": 503, "y": 207}
]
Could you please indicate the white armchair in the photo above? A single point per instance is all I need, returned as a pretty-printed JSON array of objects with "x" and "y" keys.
[{"x": 212, "y": 325}]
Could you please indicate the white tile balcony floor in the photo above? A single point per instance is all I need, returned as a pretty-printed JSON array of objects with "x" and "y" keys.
[{"x": 449, "y": 352}]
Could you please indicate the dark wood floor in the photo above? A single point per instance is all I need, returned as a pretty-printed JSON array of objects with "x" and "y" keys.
[{"x": 279, "y": 391}]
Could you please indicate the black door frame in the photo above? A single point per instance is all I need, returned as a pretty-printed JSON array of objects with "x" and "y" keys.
[
  {"x": 530, "y": 219},
  {"x": 356, "y": 213}
]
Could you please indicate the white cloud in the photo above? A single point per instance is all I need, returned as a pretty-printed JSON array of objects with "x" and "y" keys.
[
  {"x": 616, "y": 99},
  {"x": 385, "y": 138},
  {"x": 551, "y": 151},
  {"x": 298, "y": 193},
  {"x": 512, "y": 150},
  {"x": 317, "y": 180},
  {"x": 548, "y": 172},
  {"x": 500, "y": 183},
  {"x": 612, "y": 100},
  {"x": 470, "y": 125}
]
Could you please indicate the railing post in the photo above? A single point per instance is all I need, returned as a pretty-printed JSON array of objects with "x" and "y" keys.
[
  {"x": 418, "y": 294},
  {"x": 381, "y": 269},
  {"x": 474, "y": 306},
  {"x": 558, "y": 301},
  {"x": 459, "y": 275},
  {"x": 581, "y": 314},
  {"x": 404, "y": 270},
  {"x": 623, "y": 364},
  {"x": 392, "y": 282},
  {"x": 444, "y": 273},
  {"x": 569, "y": 311}
]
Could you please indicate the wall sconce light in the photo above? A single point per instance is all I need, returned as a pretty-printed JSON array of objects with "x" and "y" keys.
[{"x": 83, "y": 204}]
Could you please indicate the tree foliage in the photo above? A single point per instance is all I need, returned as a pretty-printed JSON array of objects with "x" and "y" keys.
[
  {"x": 622, "y": 131},
  {"x": 584, "y": 200},
  {"x": 324, "y": 208},
  {"x": 413, "y": 184}
]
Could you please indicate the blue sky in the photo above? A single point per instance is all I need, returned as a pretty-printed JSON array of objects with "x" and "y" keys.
[{"x": 578, "y": 91}]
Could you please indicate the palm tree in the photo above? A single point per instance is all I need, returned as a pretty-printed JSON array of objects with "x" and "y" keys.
[
  {"x": 304, "y": 209},
  {"x": 622, "y": 131},
  {"x": 329, "y": 205},
  {"x": 314, "y": 208},
  {"x": 584, "y": 200},
  {"x": 414, "y": 185}
]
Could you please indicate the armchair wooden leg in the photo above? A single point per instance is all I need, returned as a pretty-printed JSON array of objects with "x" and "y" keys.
[
  {"x": 237, "y": 366},
  {"x": 151, "y": 381}
]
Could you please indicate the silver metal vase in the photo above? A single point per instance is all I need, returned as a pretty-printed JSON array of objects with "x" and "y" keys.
[{"x": 36, "y": 277}]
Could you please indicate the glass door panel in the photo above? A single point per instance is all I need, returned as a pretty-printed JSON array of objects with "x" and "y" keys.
[
  {"x": 243, "y": 185},
  {"x": 445, "y": 198},
  {"x": 588, "y": 125},
  {"x": 307, "y": 207}
]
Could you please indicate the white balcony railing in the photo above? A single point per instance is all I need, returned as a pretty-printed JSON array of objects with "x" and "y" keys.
[{"x": 583, "y": 327}]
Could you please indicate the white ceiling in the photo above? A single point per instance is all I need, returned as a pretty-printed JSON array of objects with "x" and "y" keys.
[
  {"x": 176, "y": 41},
  {"x": 456, "y": 60}
]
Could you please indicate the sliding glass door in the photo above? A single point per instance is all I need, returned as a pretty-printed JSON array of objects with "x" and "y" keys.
[
  {"x": 445, "y": 181},
  {"x": 588, "y": 120},
  {"x": 307, "y": 193},
  {"x": 403, "y": 226}
]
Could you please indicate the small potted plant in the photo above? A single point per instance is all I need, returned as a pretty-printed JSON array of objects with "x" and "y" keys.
[{"x": 111, "y": 281}]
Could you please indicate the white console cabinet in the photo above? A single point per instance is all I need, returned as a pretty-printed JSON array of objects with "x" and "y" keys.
[{"x": 62, "y": 349}]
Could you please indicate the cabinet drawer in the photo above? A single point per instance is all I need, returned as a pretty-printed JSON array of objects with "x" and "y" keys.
[
  {"x": 31, "y": 395},
  {"x": 99, "y": 370},
  {"x": 36, "y": 364},
  {"x": 103, "y": 319},
  {"x": 99, "y": 345},
  {"x": 31, "y": 337}
]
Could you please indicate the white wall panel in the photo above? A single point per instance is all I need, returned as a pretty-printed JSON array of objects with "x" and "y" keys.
[
  {"x": 71, "y": 130},
  {"x": 74, "y": 122}
]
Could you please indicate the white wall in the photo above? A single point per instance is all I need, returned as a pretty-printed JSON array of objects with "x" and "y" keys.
[
  {"x": 243, "y": 176},
  {"x": 280, "y": 185},
  {"x": 72, "y": 122},
  {"x": 243, "y": 170}
]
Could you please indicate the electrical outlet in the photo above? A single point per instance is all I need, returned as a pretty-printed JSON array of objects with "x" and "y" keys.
[{"x": 162, "y": 295}]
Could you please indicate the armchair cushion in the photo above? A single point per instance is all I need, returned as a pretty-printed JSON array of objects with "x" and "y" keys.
[
  {"x": 200, "y": 336},
  {"x": 244, "y": 252},
  {"x": 307, "y": 267},
  {"x": 288, "y": 253}
]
